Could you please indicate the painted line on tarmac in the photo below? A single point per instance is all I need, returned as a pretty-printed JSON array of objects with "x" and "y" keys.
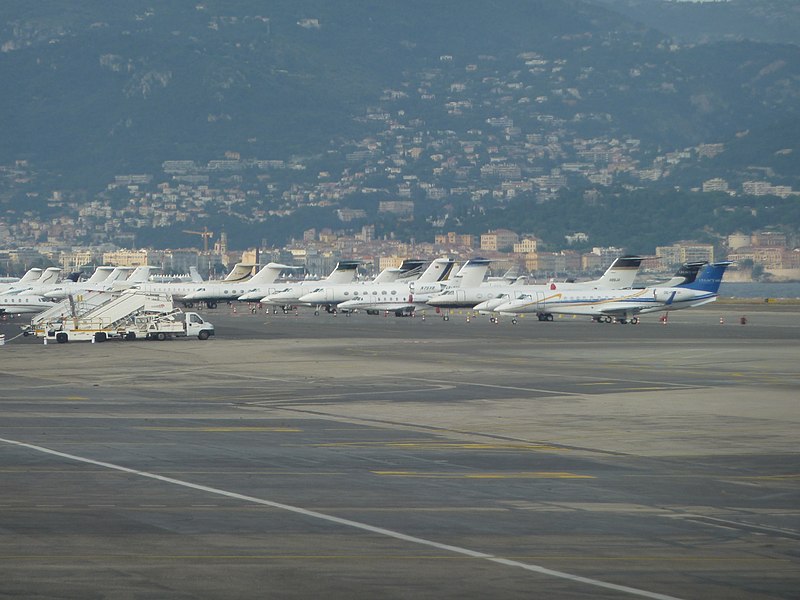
[
  {"x": 212, "y": 429},
  {"x": 515, "y": 475},
  {"x": 353, "y": 524}
]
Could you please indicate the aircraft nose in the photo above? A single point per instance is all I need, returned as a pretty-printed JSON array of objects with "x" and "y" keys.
[{"x": 505, "y": 307}]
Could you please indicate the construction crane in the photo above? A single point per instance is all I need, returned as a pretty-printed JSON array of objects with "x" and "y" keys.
[{"x": 205, "y": 234}]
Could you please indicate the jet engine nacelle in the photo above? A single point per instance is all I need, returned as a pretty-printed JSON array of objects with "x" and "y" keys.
[{"x": 671, "y": 295}]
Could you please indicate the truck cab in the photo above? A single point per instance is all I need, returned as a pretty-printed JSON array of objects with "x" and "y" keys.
[{"x": 196, "y": 326}]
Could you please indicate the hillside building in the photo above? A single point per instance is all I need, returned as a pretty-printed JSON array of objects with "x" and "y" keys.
[
  {"x": 685, "y": 251},
  {"x": 498, "y": 239}
]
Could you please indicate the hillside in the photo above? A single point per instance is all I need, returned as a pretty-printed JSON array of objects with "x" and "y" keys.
[
  {"x": 122, "y": 121},
  {"x": 769, "y": 21},
  {"x": 105, "y": 87}
]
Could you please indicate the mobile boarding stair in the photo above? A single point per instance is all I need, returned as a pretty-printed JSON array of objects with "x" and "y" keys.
[{"x": 110, "y": 318}]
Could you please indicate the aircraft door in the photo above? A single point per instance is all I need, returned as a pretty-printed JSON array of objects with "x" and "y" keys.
[{"x": 541, "y": 303}]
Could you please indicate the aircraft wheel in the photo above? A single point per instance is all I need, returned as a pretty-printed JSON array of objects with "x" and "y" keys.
[
  {"x": 446, "y": 318},
  {"x": 635, "y": 321},
  {"x": 514, "y": 321},
  {"x": 316, "y": 313},
  {"x": 211, "y": 304}
]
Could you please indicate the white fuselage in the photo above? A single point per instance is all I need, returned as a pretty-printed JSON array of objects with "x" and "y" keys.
[
  {"x": 623, "y": 303},
  {"x": 13, "y": 304}
]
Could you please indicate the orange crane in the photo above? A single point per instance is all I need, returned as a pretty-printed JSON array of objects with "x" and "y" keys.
[{"x": 206, "y": 234}]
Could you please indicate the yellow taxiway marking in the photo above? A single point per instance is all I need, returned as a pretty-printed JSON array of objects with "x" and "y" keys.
[
  {"x": 529, "y": 475},
  {"x": 444, "y": 446},
  {"x": 149, "y": 557},
  {"x": 223, "y": 429},
  {"x": 770, "y": 477}
]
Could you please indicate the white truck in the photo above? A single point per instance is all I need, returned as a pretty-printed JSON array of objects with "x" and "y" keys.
[
  {"x": 174, "y": 324},
  {"x": 149, "y": 327}
]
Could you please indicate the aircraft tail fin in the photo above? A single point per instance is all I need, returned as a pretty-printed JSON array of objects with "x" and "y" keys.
[
  {"x": 100, "y": 273},
  {"x": 438, "y": 270},
  {"x": 269, "y": 273},
  {"x": 139, "y": 275},
  {"x": 472, "y": 273},
  {"x": 117, "y": 274},
  {"x": 240, "y": 272},
  {"x": 621, "y": 273},
  {"x": 409, "y": 269},
  {"x": 686, "y": 274},
  {"x": 709, "y": 277},
  {"x": 50, "y": 275},
  {"x": 345, "y": 272},
  {"x": 194, "y": 275},
  {"x": 32, "y": 275}
]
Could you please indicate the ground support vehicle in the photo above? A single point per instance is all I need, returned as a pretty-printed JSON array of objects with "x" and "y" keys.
[{"x": 129, "y": 315}]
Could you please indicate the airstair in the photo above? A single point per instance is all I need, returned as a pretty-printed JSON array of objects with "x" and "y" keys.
[
  {"x": 71, "y": 307},
  {"x": 87, "y": 314},
  {"x": 120, "y": 308}
]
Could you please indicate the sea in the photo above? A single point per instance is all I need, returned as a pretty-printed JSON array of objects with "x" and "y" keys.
[{"x": 760, "y": 290}]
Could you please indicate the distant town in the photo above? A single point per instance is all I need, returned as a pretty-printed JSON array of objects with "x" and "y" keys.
[
  {"x": 761, "y": 255},
  {"x": 401, "y": 167}
]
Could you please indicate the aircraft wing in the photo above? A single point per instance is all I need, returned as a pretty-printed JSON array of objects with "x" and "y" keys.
[
  {"x": 621, "y": 311},
  {"x": 352, "y": 305},
  {"x": 389, "y": 307}
]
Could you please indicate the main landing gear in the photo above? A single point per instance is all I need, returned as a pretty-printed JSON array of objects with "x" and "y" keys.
[{"x": 621, "y": 320}]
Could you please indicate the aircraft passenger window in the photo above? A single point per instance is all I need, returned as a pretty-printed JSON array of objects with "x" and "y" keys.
[
  {"x": 393, "y": 292},
  {"x": 383, "y": 292},
  {"x": 375, "y": 293},
  {"x": 480, "y": 296},
  {"x": 347, "y": 293}
]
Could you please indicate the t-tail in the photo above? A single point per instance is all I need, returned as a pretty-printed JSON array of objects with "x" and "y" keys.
[
  {"x": 240, "y": 272},
  {"x": 709, "y": 278},
  {"x": 194, "y": 276},
  {"x": 472, "y": 273},
  {"x": 685, "y": 275},
  {"x": 439, "y": 270},
  {"x": 345, "y": 272},
  {"x": 621, "y": 273},
  {"x": 268, "y": 274},
  {"x": 32, "y": 275}
]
